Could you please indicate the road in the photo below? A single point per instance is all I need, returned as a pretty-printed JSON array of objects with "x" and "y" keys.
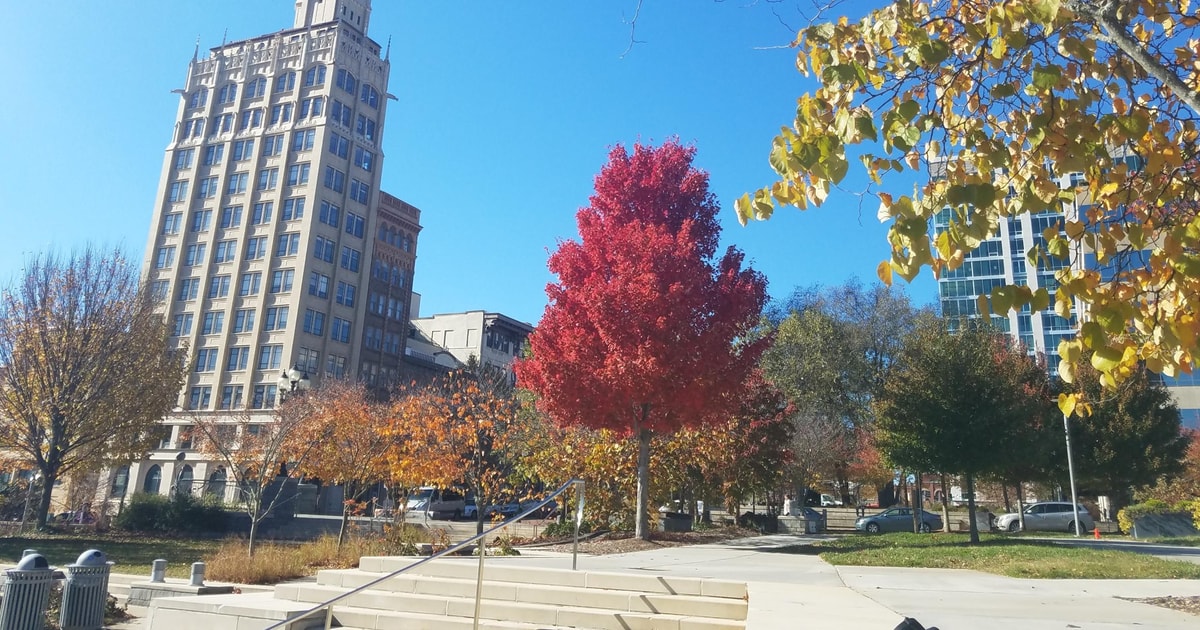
[{"x": 1166, "y": 552}]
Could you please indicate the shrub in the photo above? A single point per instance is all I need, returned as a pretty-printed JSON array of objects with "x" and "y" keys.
[
  {"x": 273, "y": 563},
  {"x": 565, "y": 529},
  {"x": 179, "y": 513},
  {"x": 1151, "y": 506}
]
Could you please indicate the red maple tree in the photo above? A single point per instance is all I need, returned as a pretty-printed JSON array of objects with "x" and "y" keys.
[{"x": 644, "y": 330}]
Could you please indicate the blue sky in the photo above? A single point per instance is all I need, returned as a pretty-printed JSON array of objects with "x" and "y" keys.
[{"x": 505, "y": 112}]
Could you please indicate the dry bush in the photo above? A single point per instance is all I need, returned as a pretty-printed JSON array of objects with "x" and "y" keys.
[{"x": 275, "y": 562}]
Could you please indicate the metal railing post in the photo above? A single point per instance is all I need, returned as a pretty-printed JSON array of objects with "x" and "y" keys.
[
  {"x": 482, "y": 548},
  {"x": 579, "y": 496}
]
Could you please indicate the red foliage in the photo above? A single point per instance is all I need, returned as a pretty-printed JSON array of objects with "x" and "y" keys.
[{"x": 641, "y": 317}]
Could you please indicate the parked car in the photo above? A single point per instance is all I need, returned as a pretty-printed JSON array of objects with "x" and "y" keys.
[
  {"x": 897, "y": 519},
  {"x": 828, "y": 500},
  {"x": 437, "y": 502},
  {"x": 1048, "y": 516}
]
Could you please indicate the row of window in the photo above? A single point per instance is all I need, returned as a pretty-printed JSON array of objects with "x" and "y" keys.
[
  {"x": 213, "y": 322},
  {"x": 231, "y": 398},
  {"x": 254, "y": 118},
  {"x": 261, "y": 214},
  {"x": 391, "y": 274},
  {"x": 375, "y": 339},
  {"x": 286, "y": 244},
  {"x": 257, "y": 87}
]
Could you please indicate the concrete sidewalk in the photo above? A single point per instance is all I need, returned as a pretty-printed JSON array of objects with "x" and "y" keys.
[{"x": 791, "y": 590}]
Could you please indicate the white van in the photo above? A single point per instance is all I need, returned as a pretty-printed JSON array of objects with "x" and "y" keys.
[{"x": 436, "y": 502}]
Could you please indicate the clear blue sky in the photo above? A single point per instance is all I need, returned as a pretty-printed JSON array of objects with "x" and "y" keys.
[{"x": 505, "y": 113}]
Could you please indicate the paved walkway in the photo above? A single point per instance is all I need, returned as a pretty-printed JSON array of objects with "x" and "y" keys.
[{"x": 798, "y": 591}]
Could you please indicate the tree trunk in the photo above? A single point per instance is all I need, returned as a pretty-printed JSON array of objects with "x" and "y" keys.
[
  {"x": 345, "y": 522},
  {"x": 974, "y": 527},
  {"x": 44, "y": 503},
  {"x": 642, "y": 529},
  {"x": 1021, "y": 505},
  {"x": 945, "y": 505},
  {"x": 253, "y": 534},
  {"x": 1004, "y": 492}
]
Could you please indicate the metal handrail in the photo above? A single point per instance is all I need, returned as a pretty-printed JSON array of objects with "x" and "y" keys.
[{"x": 327, "y": 605}]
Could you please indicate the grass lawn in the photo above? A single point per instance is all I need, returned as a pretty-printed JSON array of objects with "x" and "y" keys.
[
  {"x": 1182, "y": 541},
  {"x": 1000, "y": 554},
  {"x": 131, "y": 553}
]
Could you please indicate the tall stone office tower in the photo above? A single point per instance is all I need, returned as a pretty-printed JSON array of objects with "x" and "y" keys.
[{"x": 263, "y": 243}]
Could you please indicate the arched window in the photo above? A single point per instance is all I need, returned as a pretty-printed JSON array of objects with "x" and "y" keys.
[
  {"x": 314, "y": 76},
  {"x": 370, "y": 96},
  {"x": 407, "y": 243},
  {"x": 199, "y": 98},
  {"x": 153, "y": 480},
  {"x": 216, "y": 483},
  {"x": 184, "y": 484},
  {"x": 120, "y": 482}
]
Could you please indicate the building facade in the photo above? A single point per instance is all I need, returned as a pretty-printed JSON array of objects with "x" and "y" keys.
[
  {"x": 453, "y": 339},
  {"x": 272, "y": 247}
]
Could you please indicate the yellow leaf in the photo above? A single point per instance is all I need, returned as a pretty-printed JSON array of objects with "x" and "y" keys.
[
  {"x": 1067, "y": 402},
  {"x": 884, "y": 271},
  {"x": 1106, "y": 359}
]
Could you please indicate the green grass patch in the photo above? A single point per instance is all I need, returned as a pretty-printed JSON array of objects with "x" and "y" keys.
[
  {"x": 999, "y": 554},
  {"x": 130, "y": 553},
  {"x": 1181, "y": 541}
]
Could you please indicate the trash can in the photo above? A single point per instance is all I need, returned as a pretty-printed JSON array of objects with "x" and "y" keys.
[
  {"x": 85, "y": 592},
  {"x": 26, "y": 594}
]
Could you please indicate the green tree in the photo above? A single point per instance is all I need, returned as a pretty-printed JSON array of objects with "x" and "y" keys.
[
  {"x": 981, "y": 97},
  {"x": 87, "y": 368},
  {"x": 1131, "y": 438},
  {"x": 952, "y": 403}
]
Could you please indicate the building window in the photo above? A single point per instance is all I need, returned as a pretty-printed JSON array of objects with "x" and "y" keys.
[
  {"x": 183, "y": 325},
  {"x": 324, "y": 248},
  {"x": 330, "y": 214},
  {"x": 314, "y": 322},
  {"x": 222, "y": 123},
  {"x": 165, "y": 257},
  {"x": 200, "y": 397},
  {"x": 313, "y": 107},
  {"x": 285, "y": 82},
  {"x": 363, "y": 158},
  {"x": 354, "y": 224},
  {"x": 227, "y": 93},
  {"x": 365, "y": 128},
  {"x": 243, "y": 149},
  {"x": 199, "y": 98},
  {"x": 178, "y": 191},
  {"x": 314, "y": 76},
  {"x": 195, "y": 254},
  {"x": 350, "y": 258},
  {"x": 277, "y": 317},
  {"x": 153, "y": 480},
  {"x": 308, "y": 359},
  {"x": 231, "y": 398},
  {"x": 340, "y": 330},
  {"x": 268, "y": 179},
  {"x": 206, "y": 188},
  {"x": 256, "y": 247},
  {"x": 303, "y": 140},
  {"x": 172, "y": 223},
  {"x": 281, "y": 281},
  {"x": 237, "y": 183},
  {"x": 264, "y": 397},
  {"x": 193, "y": 128},
  {"x": 251, "y": 119},
  {"x": 373, "y": 338},
  {"x": 269, "y": 357},
  {"x": 281, "y": 113},
  {"x": 273, "y": 145},
  {"x": 226, "y": 251},
  {"x": 159, "y": 290},
  {"x": 345, "y": 293},
  {"x": 256, "y": 88},
  {"x": 360, "y": 192},
  {"x": 341, "y": 114},
  {"x": 189, "y": 288},
  {"x": 201, "y": 220},
  {"x": 287, "y": 244},
  {"x": 183, "y": 159},
  {"x": 214, "y": 154},
  {"x": 298, "y": 174},
  {"x": 120, "y": 482},
  {"x": 262, "y": 213},
  {"x": 206, "y": 359},
  {"x": 318, "y": 285},
  {"x": 335, "y": 180},
  {"x": 214, "y": 322},
  {"x": 243, "y": 320},
  {"x": 250, "y": 282},
  {"x": 346, "y": 81},
  {"x": 231, "y": 216},
  {"x": 239, "y": 358},
  {"x": 370, "y": 96},
  {"x": 335, "y": 366},
  {"x": 338, "y": 145},
  {"x": 219, "y": 287}
]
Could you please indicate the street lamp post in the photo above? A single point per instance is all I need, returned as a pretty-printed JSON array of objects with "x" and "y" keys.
[
  {"x": 33, "y": 481},
  {"x": 1071, "y": 473},
  {"x": 293, "y": 380},
  {"x": 179, "y": 457}
]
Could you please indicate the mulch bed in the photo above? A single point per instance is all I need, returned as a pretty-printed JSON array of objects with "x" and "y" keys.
[{"x": 624, "y": 542}]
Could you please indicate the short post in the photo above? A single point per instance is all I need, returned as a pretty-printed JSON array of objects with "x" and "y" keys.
[
  {"x": 579, "y": 495},
  {"x": 85, "y": 592},
  {"x": 28, "y": 552},
  {"x": 197, "y": 574},
  {"x": 158, "y": 571},
  {"x": 26, "y": 594}
]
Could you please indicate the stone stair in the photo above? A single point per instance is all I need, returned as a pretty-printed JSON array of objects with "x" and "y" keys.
[{"x": 441, "y": 594}]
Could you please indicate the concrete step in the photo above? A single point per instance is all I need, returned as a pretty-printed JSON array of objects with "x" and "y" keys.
[
  {"x": 545, "y": 592},
  {"x": 370, "y": 619},
  {"x": 228, "y": 612},
  {"x": 385, "y": 611}
]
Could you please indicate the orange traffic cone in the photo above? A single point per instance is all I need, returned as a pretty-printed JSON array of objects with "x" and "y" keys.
[{"x": 1097, "y": 532}]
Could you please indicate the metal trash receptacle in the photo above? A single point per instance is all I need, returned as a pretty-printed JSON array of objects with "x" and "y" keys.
[
  {"x": 26, "y": 594},
  {"x": 85, "y": 592},
  {"x": 812, "y": 525}
]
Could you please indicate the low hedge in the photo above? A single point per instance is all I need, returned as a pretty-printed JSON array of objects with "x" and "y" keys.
[{"x": 1155, "y": 506}]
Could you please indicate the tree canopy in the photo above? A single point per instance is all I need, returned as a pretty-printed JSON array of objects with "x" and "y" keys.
[
  {"x": 644, "y": 330},
  {"x": 86, "y": 366},
  {"x": 995, "y": 100}
]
